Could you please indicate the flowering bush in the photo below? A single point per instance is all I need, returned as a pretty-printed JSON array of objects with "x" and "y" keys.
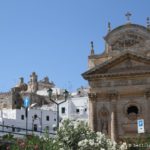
[
  {"x": 70, "y": 136},
  {"x": 78, "y": 136},
  {"x": 98, "y": 142}
]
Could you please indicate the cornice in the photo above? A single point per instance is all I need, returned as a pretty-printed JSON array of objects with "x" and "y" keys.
[
  {"x": 102, "y": 68},
  {"x": 113, "y": 95},
  {"x": 116, "y": 75}
]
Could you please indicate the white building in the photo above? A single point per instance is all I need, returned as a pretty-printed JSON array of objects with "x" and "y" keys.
[
  {"x": 37, "y": 120},
  {"x": 75, "y": 108}
]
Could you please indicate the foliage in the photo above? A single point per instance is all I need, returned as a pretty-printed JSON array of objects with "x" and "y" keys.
[
  {"x": 8, "y": 137},
  {"x": 35, "y": 143},
  {"x": 69, "y": 134},
  {"x": 72, "y": 136},
  {"x": 138, "y": 143}
]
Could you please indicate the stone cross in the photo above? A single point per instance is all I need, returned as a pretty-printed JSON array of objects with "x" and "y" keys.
[
  {"x": 92, "y": 48},
  {"x": 109, "y": 26},
  {"x": 92, "y": 45},
  {"x": 128, "y": 15}
]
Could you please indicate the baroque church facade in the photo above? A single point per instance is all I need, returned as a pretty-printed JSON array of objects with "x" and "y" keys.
[{"x": 119, "y": 81}]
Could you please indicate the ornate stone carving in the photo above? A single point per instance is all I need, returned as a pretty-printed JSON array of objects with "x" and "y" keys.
[
  {"x": 127, "y": 40},
  {"x": 147, "y": 93},
  {"x": 103, "y": 115},
  {"x": 92, "y": 96},
  {"x": 113, "y": 95}
]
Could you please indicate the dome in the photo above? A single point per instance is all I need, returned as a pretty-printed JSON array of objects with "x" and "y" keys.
[{"x": 128, "y": 36}]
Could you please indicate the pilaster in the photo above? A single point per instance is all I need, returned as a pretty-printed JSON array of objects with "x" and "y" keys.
[
  {"x": 113, "y": 98},
  {"x": 147, "y": 106},
  {"x": 92, "y": 111}
]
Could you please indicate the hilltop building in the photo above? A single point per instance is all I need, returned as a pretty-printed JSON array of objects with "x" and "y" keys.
[{"x": 14, "y": 98}]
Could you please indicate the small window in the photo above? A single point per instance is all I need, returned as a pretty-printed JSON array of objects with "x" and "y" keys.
[
  {"x": 22, "y": 117},
  {"x": 35, "y": 116},
  {"x": 85, "y": 109},
  {"x": 35, "y": 127},
  {"x": 13, "y": 129},
  {"x": 47, "y": 118},
  {"x": 63, "y": 110},
  {"x": 79, "y": 92},
  {"x": 55, "y": 119},
  {"x": 77, "y": 110}
]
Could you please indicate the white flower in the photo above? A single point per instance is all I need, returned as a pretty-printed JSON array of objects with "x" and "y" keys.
[
  {"x": 91, "y": 142},
  {"x": 123, "y": 146}
]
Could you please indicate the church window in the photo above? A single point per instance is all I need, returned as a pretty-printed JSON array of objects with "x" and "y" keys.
[
  {"x": 132, "y": 112},
  {"x": 132, "y": 109}
]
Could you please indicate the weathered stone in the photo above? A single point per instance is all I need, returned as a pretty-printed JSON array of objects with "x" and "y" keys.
[{"x": 120, "y": 79}]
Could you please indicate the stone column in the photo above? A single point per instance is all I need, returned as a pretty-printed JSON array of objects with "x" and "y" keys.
[
  {"x": 113, "y": 123},
  {"x": 147, "y": 106},
  {"x": 92, "y": 111},
  {"x": 113, "y": 98}
]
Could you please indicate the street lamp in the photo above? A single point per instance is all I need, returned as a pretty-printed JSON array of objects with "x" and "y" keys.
[
  {"x": 66, "y": 93},
  {"x": 27, "y": 105}
]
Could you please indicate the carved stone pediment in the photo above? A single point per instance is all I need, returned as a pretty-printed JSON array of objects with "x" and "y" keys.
[
  {"x": 127, "y": 36},
  {"x": 127, "y": 40},
  {"x": 127, "y": 62}
]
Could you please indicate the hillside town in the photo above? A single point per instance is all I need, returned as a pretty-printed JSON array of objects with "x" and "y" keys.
[
  {"x": 108, "y": 106},
  {"x": 42, "y": 112}
]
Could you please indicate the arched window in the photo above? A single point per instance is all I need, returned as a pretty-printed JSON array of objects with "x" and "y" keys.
[
  {"x": 132, "y": 109},
  {"x": 132, "y": 112}
]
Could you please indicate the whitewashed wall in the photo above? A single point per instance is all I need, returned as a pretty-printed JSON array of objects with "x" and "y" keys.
[{"x": 14, "y": 118}]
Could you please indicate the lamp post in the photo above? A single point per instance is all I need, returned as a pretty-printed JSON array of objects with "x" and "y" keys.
[
  {"x": 26, "y": 114},
  {"x": 57, "y": 104},
  {"x": 26, "y": 105}
]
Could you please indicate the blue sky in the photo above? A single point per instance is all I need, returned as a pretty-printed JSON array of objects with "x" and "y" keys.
[{"x": 52, "y": 37}]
